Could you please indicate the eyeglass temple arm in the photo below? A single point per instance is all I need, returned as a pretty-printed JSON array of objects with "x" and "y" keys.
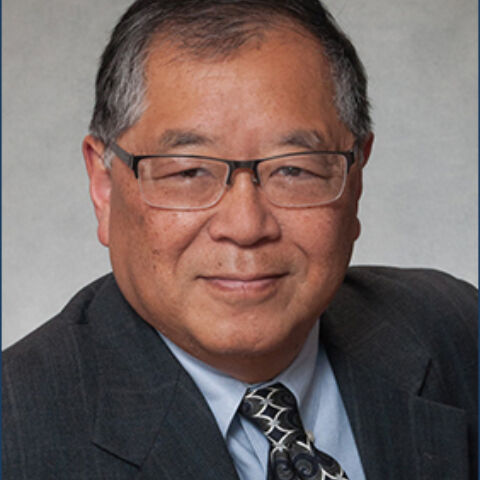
[{"x": 124, "y": 156}]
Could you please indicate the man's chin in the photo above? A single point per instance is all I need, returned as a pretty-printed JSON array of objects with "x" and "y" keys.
[{"x": 240, "y": 354}]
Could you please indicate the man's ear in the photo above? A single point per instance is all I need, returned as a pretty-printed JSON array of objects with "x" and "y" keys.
[
  {"x": 100, "y": 184},
  {"x": 366, "y": 148}
]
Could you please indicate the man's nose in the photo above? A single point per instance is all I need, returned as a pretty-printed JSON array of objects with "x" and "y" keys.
[{"x": 244, "y": 216}]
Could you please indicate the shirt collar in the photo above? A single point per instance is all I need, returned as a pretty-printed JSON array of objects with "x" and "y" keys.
[{"x": 224, "y": 393}]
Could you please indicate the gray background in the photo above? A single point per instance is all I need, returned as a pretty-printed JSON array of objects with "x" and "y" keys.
[{"x": 420, "y": 198}]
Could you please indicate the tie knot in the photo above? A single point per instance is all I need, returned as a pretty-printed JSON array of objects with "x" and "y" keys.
[{"x": 274, "y": 410}]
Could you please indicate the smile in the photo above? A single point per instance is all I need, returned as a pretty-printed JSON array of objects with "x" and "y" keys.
[{"x": 245, "y": 286}]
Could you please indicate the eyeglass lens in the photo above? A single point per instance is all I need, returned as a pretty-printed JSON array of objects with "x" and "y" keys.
[{"x": 293, "y": 181}]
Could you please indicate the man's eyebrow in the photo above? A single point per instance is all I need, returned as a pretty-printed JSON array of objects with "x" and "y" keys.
[
  {"x": 308, "y": 139},
  {"x": 180, "y": 138}
]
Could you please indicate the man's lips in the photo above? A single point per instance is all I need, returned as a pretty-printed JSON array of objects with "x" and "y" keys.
[{"x": 243, "y": 283}]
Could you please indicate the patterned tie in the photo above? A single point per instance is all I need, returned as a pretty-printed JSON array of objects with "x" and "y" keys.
[{"x": 292, "y": 454}]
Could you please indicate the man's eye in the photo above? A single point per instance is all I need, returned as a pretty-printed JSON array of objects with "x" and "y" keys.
[
  {"x": 291, "y": 171},
  {"x": 193, "y": 173},
  {"x": 180, "y": 174}
]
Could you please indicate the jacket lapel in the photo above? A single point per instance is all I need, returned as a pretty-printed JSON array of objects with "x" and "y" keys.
[
  {"x": 195, "y": 448},
  {"x": 148, "y": 411},
  {"x": 381, "y": 371}
]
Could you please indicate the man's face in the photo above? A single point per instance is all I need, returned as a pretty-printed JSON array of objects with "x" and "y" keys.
[{"x": 245, "y": 280}]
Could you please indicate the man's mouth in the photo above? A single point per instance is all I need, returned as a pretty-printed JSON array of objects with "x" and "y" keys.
[{"x": 244, "y": 284}]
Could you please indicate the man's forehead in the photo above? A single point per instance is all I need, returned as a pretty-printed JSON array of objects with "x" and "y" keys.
[
  {"x": 285, "y": 84},
  {"x": 167, "y": 60}
]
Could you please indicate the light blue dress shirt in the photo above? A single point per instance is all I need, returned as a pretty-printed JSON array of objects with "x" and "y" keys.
[{"x": 311, "y": 380}]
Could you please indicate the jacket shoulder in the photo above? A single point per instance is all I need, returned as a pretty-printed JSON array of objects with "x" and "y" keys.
[
  {"x": 39, "y": 344},
  {"x": 418, "y": 310},
  {"x": 418, "y": 295},
  {"x": 45, "y": 381}
]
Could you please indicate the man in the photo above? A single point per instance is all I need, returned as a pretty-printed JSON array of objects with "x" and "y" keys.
[{"x": 225, "y": 162}]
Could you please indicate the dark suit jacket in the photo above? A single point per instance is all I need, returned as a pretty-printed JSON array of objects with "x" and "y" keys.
[{"x": 95, "y": 394}]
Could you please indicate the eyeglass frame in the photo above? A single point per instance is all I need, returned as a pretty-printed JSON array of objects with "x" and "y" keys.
[{"x": 132, "y": 161}]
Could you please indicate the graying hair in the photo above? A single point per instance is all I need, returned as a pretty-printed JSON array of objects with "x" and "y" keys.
[{"x": 215, "y": 28}]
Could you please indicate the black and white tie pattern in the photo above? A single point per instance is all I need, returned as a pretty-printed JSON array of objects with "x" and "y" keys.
[{"x": 293, "y": 456}]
